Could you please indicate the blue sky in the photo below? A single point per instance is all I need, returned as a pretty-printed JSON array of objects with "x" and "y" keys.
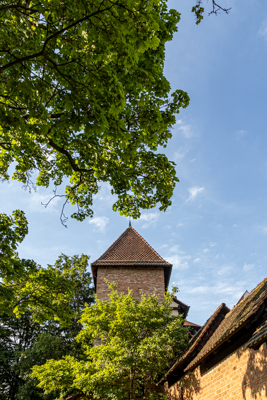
[{"x": 215, "y": 232}]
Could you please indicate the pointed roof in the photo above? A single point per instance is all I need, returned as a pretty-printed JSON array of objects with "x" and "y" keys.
[{"x": 130, "y": 249}]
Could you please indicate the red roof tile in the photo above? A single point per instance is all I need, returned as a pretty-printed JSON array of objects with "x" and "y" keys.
[
  {"x": 182, "y": 305},
  {"x": 188, "y": 323},
  {"x": 130, "y": 248},
  {"x": 179, "y": 302}
]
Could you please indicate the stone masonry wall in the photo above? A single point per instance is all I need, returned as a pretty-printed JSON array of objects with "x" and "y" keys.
[
  {"x": 240, "y": 376},
  {"x": 147, "y": 278}
]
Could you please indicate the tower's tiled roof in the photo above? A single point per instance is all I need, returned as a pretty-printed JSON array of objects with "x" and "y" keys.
[{"x": 130, "y": 248}]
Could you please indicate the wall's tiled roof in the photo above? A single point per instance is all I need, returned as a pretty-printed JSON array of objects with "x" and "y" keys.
[
  {"x": 130, "y": 248},
  {"x": 179, "y": 302},
  {"x": 258, "y": 336},
  {"x": 201, "y": 337},
  {"x": 183, "y": 306},
  {"x": 233, "y": 321},
  {"x": 188, "y": 323}
]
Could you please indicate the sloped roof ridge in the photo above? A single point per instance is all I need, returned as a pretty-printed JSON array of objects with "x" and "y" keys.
[
  {"x": 198, "y": 336},
  {"x": 233, "y": 321},
  {"x": 248, "y": 299},
  {"x": 162, "y": 259},
  {"x": 179, "y": 301},
  {"x": 104, "y": 256},
  {"x": 186, "y": 322},
  {"x": 113, "y": 245}
]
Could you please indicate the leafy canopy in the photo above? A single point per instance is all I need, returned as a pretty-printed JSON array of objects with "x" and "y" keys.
[
  {"x": 135, "y": 341},
  {"x": 25, "y": 343},
  {"x": 26, "y": 287},
  {"x": 83, "y": 99}
]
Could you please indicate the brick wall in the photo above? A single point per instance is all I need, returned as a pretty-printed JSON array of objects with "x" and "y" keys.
[
  {"x": 148, "y": 279},
  {"x": 240, "y": 376}
]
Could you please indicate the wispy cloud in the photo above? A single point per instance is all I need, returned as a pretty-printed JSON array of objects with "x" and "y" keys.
[
  {"x": 263, "y": 30},
  {"x": 262, "y": 229},
  {"x": 186, "y": 129},
  {"x": 34, "y": 251},
  {"x": 99, "y": 223},
  {"x": 240, "y": 134},
  {"x": 248, "y": 267},
  {"x": 38, "y": 201},
  {"x": 178, "y": 261},
  {"x": 180, "y": 154},
  {"x": 104, "y": 196},
  {"x": 149, "y": 219},
  {"x": 225, "y": 288},
  {"x": 194, "y": 192},
  {"x": 225, "y": 270}
]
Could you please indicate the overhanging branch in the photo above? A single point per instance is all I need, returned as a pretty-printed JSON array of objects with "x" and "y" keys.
[
  {"x": 216, "y": 8},
  {"x": 67, "y": 154},
  {"x": 40, "y": 53}
]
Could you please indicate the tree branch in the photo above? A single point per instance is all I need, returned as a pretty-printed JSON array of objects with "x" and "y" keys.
[
  {"x": 40, "y": 53},
  {"x": 67, "y": 154},
  {"x": 219, "y": 8},
  {"x": 17, "y": 6}
]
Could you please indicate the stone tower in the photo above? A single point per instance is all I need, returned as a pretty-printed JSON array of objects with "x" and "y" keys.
[{"x": 133, "y": 264}]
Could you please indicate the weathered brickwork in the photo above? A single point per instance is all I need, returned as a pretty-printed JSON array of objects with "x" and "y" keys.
[
  {"x": 240, "y": 376},
  {"x": 146, "y": 278}
]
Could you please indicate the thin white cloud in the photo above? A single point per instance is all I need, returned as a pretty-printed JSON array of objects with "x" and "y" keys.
[
  {"x": 212, "y": 244},
  {"x": 168, "y": 226},
  {"x": 149, "y": 219},
  {"x": 104, "y": 196},
  {"x": 263, "y": 30},
  {"x": 194, "y": 192},
  {"x": 230, "y": 290},
  {"x": 38, "y": 201},
  {"x": 248, "y": 267},
  {"x": 262, "y": 229},
  {"x": 175, "y": 249},
  {"x": 99, "y": 223},
  {"x": 240, "y": 134},
  {"x": 224, "y": 270},
  {"x": 186, "y": 129},
  {"x": 179, "y": 155},
  {"x": 164, "y": 246},
  {"x": 196, "y": 260},
  {"x": 205, "y": 250},
  {"x": 178, "y": 262},
  {"x": 32, "y": 251}
]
